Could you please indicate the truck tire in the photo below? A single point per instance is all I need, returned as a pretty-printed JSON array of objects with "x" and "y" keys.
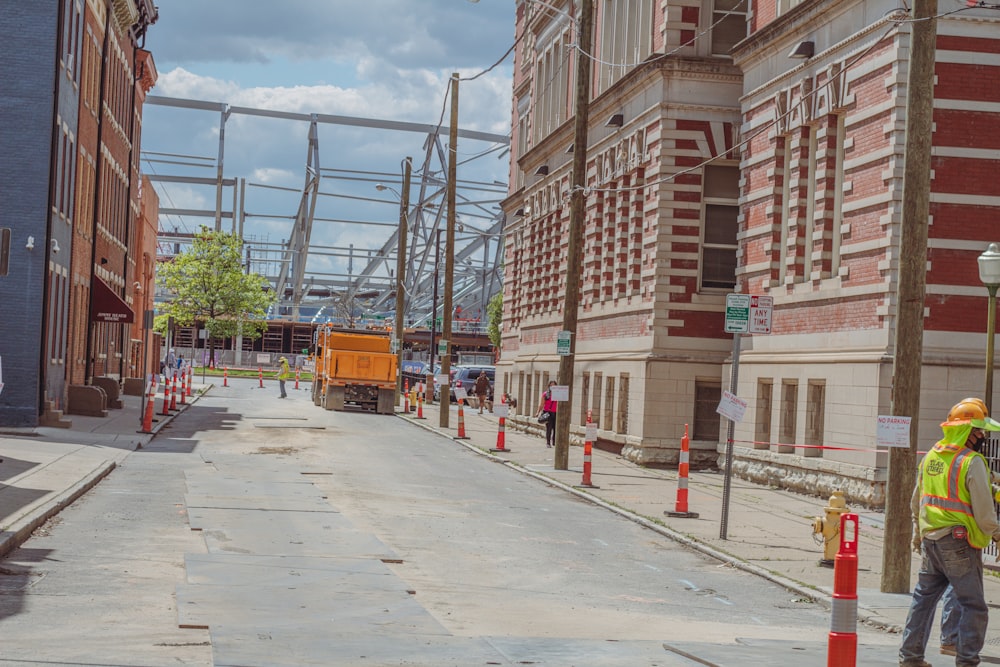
[
  {"x": 386, "y": 401},
  {"x": 334, "y": 398}
]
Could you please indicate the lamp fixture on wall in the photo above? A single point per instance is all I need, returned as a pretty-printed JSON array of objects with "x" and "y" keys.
[
  {"x": 617, "y": 120},
  {"x": 803, "y": 50}
]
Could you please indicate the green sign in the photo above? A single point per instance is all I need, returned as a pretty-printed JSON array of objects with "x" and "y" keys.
[
  {"x": 737, "y": 313},
  {"x": 442, "y": 347},
  {"x": 562, "y": 343}
]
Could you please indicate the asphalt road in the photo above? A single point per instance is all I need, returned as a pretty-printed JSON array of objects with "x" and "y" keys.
[{"x": 259, "y": 531}]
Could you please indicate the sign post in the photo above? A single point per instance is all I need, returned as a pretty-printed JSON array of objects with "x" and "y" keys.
[
  {"x": 750, "y": 314},
  {"x": 562, "y": 343}
]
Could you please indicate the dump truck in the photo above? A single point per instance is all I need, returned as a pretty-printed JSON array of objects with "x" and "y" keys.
[{"x": 354, "y": 369}]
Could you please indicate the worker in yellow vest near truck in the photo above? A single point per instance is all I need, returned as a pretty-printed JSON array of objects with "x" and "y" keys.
[
  {"x": 954, "y": 521},
  {"x": 283, "y": 374}
]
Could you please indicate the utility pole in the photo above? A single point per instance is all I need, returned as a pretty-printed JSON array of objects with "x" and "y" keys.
[
  {"x": 404, "y": 213},
  {"x": 908, "y": 348},
  {"x": 577, "y": 220},
  {"x": 449, "y": 252}
]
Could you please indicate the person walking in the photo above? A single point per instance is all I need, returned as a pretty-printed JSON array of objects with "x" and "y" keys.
[
  {"x": 283, "y": 373},
  {"x": 170, "y": 363},
  {"x": 954, "y": 520},
  {"x": 481, "y": 389},
  {"x": 547, "y": 414}
]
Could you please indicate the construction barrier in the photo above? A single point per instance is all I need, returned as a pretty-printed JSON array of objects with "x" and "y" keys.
[
  {"x": 681, "y": 505},
  {"x": 225, "y": 376},
  {"x": 183, "y": 390},
  {"x": 842, "y": 646},
  {"x": 297, "y": 374},
  {"x": 190, "y": 379},
  {"x": 501, "y": 412},
  {"x": 260, "y": 376},
  {"x": 588, "y": 450},
  {"x": 173, "y": 392},
  {"x": 147, "y": 413},
  {"x": 406, "y": 396},
  {"x": 461, "y": 421}
]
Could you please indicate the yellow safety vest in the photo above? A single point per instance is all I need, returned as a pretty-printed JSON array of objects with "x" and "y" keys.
[{"x": 946, "y": 500}]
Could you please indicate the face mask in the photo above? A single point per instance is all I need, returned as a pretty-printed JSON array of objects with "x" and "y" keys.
[{"x": 977, "y": 444}]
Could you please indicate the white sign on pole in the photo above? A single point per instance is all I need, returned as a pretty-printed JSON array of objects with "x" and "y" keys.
[
  {"x": 460, "y": 392},
  {"x": 732, "y": 407},
  {"x": 892, "y": 431},
  {"x": 441, "y": 380},
  {"x": 264, "y": 358},
  {"x": 760, "y": 314},
  {"x": 500, "y": 409},
  {"x": 560, "y": 392},
  {"x": 737, "y": 313},
  {"x": 590, "y": 432},
  {"x": 563, "y": 339}
]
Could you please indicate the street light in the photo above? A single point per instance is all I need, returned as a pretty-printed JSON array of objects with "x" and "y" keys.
[{"x": 989, "y": 274}]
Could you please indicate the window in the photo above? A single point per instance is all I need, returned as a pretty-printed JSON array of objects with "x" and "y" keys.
[
  {"x": 786, "y": 428},
  {"x": 785, "y": 5},
  {"x": 584, "y": 394},
  {"x": 707, "y": 394},
  {"x": 729, "y": 25},
  {"x": 595, "y": 403},
  {"x": 815, "y": 399},
  {"x": 623, "y": 403},
  {"x": 609, "y": 403},
  {"x": 625, "y": 38},
  {"x": 551, "y": 86},
  {"x": 762, "y": 423},
  {"x": 721, "y": 188}
]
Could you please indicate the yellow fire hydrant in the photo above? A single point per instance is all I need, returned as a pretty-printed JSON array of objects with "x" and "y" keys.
[{"x": 829, "y": 527}]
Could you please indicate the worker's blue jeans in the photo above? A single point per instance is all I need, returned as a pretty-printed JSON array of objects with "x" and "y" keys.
[{"x": 947, "y": 561}]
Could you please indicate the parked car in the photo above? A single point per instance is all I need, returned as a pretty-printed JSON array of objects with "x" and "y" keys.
[{"x": 465, "y": 376}]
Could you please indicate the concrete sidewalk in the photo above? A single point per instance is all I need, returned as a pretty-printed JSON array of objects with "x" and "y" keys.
[
  {"x": 768, "y": 533},
  {"x": 45, "y": 469}
]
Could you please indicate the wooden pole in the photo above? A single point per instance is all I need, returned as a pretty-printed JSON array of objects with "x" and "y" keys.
[{"x": 909, "y": 325}]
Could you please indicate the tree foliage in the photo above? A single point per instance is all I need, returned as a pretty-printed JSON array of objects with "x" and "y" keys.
[
  {"x": 207, "y": 286},
  {"x": 494, "y": 311}
]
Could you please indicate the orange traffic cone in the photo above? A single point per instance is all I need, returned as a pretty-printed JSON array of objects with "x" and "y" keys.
[
  {"x": 173, "y": 392},
  {"x": 166, "y": 395},
  {"x": 420, "y": 405},
  {"x": 225, "y": 376},
  {"x": 681, "y": 506},
  {"x": 147, "y": 416},
  {"x": 501, "y": 431},
  {"x": 588, "y": 449},
  {"x": 406, "y": 397},
  {"x": 461, "y": 422},
  {"x": 260, "y": 376}
]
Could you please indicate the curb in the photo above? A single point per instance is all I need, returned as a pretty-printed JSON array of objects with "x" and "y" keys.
[
  {"x": 21, "y": 529},
  {"x": 869, "y": 617}
]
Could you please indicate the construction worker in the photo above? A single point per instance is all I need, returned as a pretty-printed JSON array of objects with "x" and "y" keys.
[
  {"x": 950, "y": 614},
  {"x": 283, "y": 374},
  {"x": 954, "y": 521}
]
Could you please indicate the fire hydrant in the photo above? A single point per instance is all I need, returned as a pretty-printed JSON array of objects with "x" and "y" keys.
[{"x": 829, "y": 527}]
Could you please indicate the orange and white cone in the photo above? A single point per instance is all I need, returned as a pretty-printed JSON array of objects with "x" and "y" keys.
[
  {"x": 681, "y": 507},
  {"x": 588, "y": 449},
  {"x": 147, "y": 416},
  {"x": 420, "y": 404},
  {"x": 225, "y": 376},
  {"x": 190, "y": 378},
  {"x": 501, "y": 428},
  {"x": 406, "y": 397},
  {"x": 166, "y": 395},
  {"x": 461, "y": 422},
  {"x": 173, "y": 392},
  {"x": 260, "y": 376}
]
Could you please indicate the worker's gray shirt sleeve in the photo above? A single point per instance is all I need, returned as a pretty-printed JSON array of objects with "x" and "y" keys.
[{"x": 980, "y": 492}]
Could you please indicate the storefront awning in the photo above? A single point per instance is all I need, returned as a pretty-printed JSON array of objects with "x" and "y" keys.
[{"x": 106, "y": 306}]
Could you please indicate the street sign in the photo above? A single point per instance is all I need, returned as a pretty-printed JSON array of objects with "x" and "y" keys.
[
  {"x": 562, "y": 343},
  {"x": 442, "y": 347},
  {"x": 746, "y": 313},
  {"x": 737, "y": 313},
  {"x": 760, "y": 314},
  {"x": 732, "y": 407}
]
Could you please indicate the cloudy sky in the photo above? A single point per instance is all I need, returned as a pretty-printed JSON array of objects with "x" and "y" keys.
[{"x": 379, "y": 59}]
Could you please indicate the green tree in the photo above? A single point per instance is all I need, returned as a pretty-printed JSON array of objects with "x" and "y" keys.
[
  {"x": 208, "y": 288},
  {"x": 494, "y": 311}
]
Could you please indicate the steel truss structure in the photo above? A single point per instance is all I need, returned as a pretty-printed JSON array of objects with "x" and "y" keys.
[{"x": 307, "y": 292}]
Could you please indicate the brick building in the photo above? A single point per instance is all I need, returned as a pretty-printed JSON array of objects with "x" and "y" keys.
[
  {"x": 714, "y": 169},
  {"x": 650, "y": 344},
  {"x": 73, "y": 77},
  {"x": 822, "y": 201}
]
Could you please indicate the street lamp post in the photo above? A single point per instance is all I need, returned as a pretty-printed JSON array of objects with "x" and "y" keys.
[{"x": 989, "y": 274}]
